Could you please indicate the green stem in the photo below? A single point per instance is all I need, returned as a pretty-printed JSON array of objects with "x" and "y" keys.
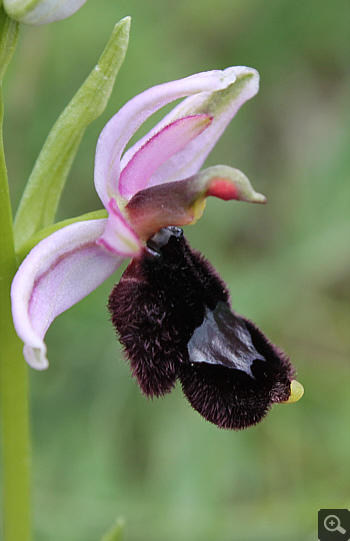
[{"x": 13, "y": 370}]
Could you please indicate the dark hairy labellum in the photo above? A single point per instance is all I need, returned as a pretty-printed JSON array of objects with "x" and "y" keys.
[{"x": 172, "y": 315}]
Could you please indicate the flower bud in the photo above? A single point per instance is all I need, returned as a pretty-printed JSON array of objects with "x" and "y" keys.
[{"x": 39, "y": 12}]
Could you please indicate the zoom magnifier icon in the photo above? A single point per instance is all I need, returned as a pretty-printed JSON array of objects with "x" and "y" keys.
[{"x": 332, "y": 524}]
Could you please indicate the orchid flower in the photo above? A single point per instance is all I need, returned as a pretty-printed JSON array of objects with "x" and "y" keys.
[
  {"x": 174, "y": 323},
  {"x": 40, "y": 12}
]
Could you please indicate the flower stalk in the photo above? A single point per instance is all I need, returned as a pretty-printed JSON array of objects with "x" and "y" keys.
[{"x": 15, "y": 430}]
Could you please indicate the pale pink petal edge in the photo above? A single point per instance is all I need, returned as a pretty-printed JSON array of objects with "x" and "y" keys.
[{"x": 165, "y": 143}]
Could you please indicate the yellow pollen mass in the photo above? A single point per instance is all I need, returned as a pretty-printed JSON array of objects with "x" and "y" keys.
[
  {"x": 198, "y": 209},
  {"x": 296, "y": 392}
]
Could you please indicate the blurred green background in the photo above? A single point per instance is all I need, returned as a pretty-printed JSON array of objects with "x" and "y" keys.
[{"x": 103, "y": 451}]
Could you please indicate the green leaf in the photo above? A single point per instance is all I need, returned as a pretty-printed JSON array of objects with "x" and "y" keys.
[
  {"x": 116, "y": 533},
  {"x": 41, "y": 196}
]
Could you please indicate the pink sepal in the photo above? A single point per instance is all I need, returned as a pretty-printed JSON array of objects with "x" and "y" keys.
[
  {"x": 60, "y": 271},
  {"x": 119, "y": 130}
]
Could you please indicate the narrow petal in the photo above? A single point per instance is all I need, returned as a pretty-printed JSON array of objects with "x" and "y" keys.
[
  {"x": 118, "y": 131},
  {"x": 118, "y": 237},
  {"x": 60, "y": 271},
  {"x": 170, "y": 140},
  {"x": 182, "y": 202},
  {"x": 222, "y": 105}
]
